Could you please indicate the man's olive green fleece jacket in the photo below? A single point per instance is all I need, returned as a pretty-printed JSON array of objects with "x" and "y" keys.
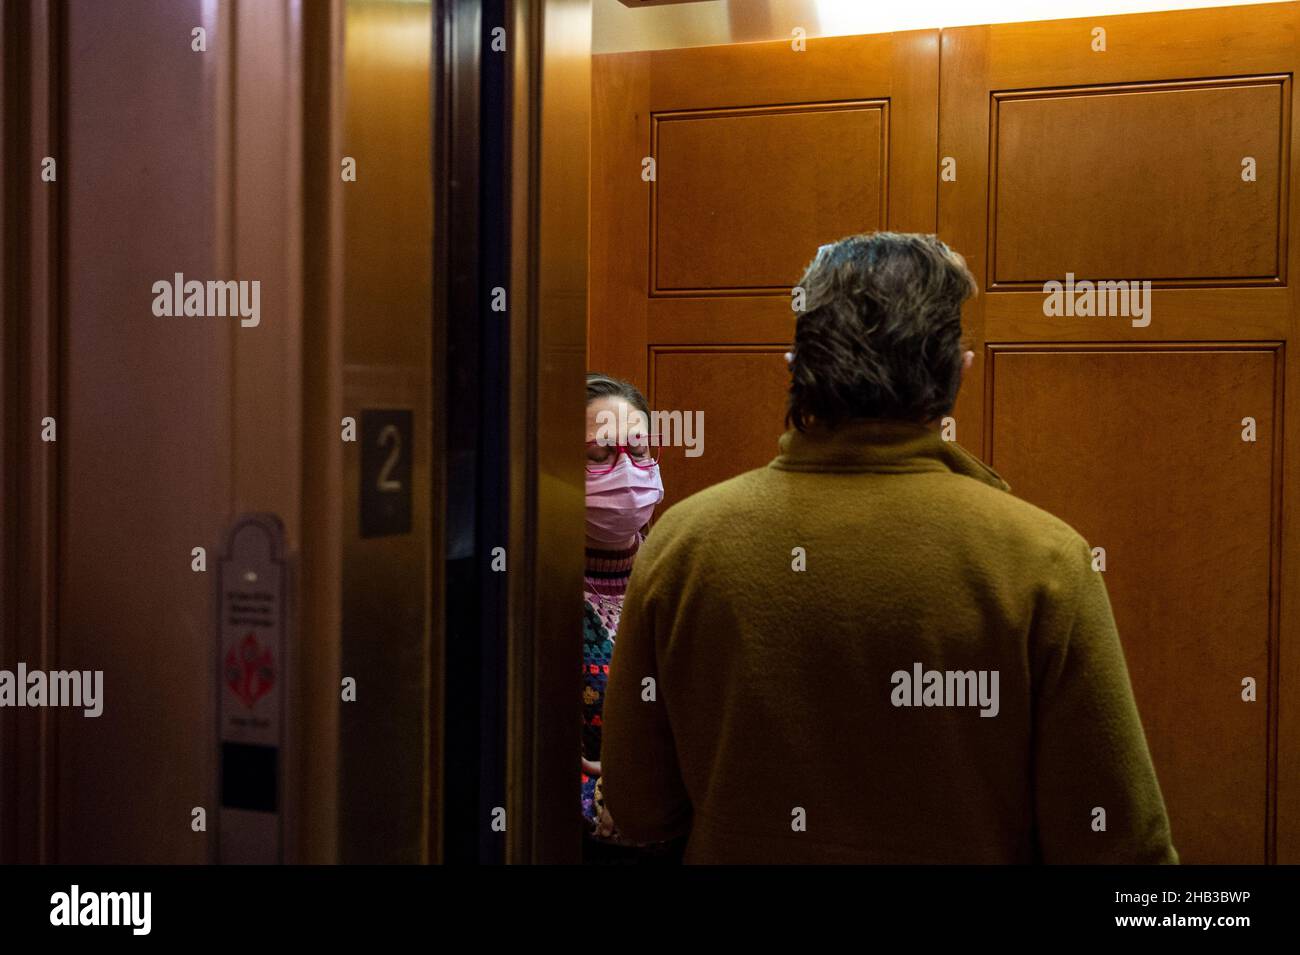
[{"x": 771, "y": 691}]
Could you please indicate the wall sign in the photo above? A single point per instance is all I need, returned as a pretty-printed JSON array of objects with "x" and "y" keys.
[
  {"x": 250, "y": 686},
  {"x": 386, "y": 454}
]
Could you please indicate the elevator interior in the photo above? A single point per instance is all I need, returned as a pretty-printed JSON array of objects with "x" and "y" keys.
[{"x": 449, "y": 226}]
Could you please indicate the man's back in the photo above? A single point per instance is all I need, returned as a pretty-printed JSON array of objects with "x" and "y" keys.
[{"x": 869, "y": 651}]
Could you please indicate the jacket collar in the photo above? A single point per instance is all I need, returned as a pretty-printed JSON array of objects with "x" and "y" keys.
[{"x": 883, "y": 445}]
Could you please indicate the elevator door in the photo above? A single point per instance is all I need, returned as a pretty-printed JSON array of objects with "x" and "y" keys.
[{"x": 716, "y": 174}]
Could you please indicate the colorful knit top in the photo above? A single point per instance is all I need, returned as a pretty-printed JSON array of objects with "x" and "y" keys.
[{"x": 606, "y": 583}]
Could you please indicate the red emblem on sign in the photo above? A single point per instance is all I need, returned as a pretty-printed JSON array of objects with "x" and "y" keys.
[{"x": 250, "y": 670}]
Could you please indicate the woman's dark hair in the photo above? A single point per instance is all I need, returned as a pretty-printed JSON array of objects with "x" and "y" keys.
[
  {"x": 603, "y": 386},
  {"x": 880, "y": 332}
]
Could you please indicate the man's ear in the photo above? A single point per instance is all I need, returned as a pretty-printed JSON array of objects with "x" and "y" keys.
[{"x": 967, "y": 359}]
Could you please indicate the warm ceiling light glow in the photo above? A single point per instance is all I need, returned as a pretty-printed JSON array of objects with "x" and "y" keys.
[
  {"x": 843, "y": 17},
  {"x": 617, "y": 28}
]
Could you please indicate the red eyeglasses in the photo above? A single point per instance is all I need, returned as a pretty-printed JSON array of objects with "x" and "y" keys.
[{"x": 603, "y": 458}]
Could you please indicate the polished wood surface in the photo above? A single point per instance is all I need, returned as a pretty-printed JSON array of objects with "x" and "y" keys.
[
  {"x": 738, "y": 390},
  {"x": 1128, "y": 165},
  {"x": 1173, "y": 208},
  {"x": 1140, "y": 450},
  {"x": 1117, "y": 165},
  {"x": 729, "y": 177},
  {"x": 761, "y": 154}
]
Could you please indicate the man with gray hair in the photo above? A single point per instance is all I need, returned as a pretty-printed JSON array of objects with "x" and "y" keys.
[{"x": 870, "y": 651}]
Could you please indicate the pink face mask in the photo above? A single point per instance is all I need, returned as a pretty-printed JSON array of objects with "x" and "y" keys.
[{"x": 619, "y": 503}]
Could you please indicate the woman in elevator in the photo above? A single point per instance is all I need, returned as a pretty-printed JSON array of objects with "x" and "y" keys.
[{"x": 623, "y": 487}]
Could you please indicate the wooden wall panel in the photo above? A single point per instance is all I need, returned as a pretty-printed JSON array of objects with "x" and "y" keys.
[
  {"x": 1120, "y": 162},
  {"x": 740, "y": 198},
  {"x": 986, "y": 69},
  {"x": 1141, "y": 451},
  {"x": 1126, "y": 163},
  {"x": 1173, "y": 207},
  {"x": 762, "y": 153},
  {"x": 739, "y": 393}
]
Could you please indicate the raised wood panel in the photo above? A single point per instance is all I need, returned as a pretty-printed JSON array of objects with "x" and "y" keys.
[
  {"x": 721, "y": 319},
  {"x": 764, "y": 153},
  {"x": 741, "y": 394},
  {"x": 740, "y": 199},
  {"x": 1171, "y": 206},
  {"x": 1141, "y": 451},
  {"x": 1019, "y": 67},
  {"x": 1184, "y": 314}
]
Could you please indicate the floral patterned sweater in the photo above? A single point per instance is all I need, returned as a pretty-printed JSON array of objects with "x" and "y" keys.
[{"x": 606, "y": 583}]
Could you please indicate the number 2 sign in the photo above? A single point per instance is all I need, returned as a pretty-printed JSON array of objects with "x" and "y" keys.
[{"x": 386, "y": 448}]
